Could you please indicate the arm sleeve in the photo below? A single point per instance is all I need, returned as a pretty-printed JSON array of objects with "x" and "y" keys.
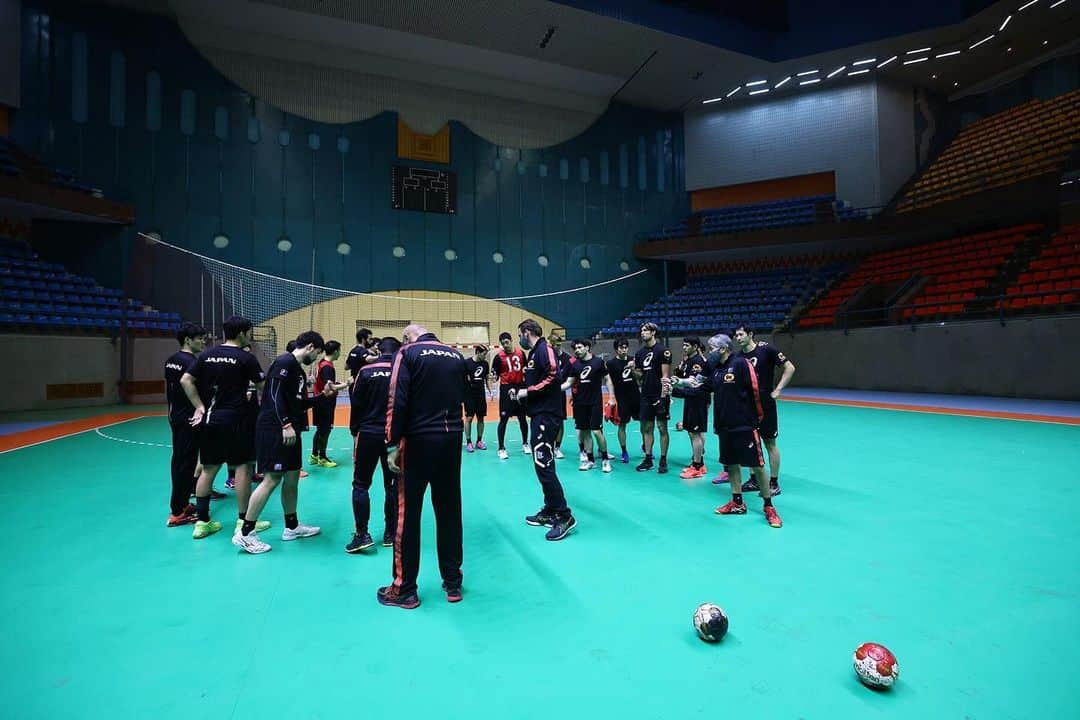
[
  {"x": 496, "y": 364},
  {"x": 549, "y": 368},
  {"x": 276, "y": 395},
  {"x": 254, "y": 370},
  {"x": 397, "y": 406}
]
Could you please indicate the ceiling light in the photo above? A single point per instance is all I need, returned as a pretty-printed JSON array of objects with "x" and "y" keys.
[
  {"x": 623, "y": 265},
  {"x": 1025, "y": 6},
  {"x": 912, "y": 62},
  {"x": 933, "y": 77},
  {"x": 956, "y": 84},
  {"x": 756, "y": 82},
  {"x": 734, "y": 91},
  {"x": 858, "y": 72},
  {"x": 759, "y": 92},
  {"x": 808, "y": 72},
  {"x": 810, "y": 82},
  {"x": 779, "y": 84},
  {"x": 450, "y": 254},
  {"x": 711, "y": 100},
  {"x": 542, "y": 260},
  {"x": 1009, "y": 50},
  {"x": 948, "y": 54},
  {"x": 1056, "y": 4},
  {"x": 398, "y": 251},
  {"x": 916, "y": 52},
  {"x": 585, "y": 263},
  {"x": 988, "y": 38},
  {"x": 221, "y": 241},
  {"x": 284, "y": 244},
  {"x": 865, "y": 62},
  {"x": 835, "y": 72},
  {"x": 497, "y": 257},
  {"x": 1045, "y": 42},
  {"x": 893, "y": 58},
  {"x": 1006, "y": 22}
]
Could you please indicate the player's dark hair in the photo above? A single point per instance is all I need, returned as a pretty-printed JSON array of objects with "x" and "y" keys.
[
  {"x": 692, "y": 341},
  {"x": 650, "y": 326},
  {"x": 290, "y": 346},
  {"x": 531, "y": 327},
  {"x": 745, "y": 327},
  {"x": 622, "y": 342},
  {"x": 583, "y": 341},
  {"x": 331, "y": 347},
  {"x": 505, "y": 336},
  {"x": 362, "y": 334},
  {"x": 310, "y": 337},
  {"x": 234, "y": 326},
  {"x": 389, "y": 346},
  {"x": 188, "y": 331},
  {"x": 480, "y": 348}
]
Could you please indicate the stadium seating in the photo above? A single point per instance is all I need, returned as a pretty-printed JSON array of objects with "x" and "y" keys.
[
  {"x": 956, "y": 270},
  {"x": 1021, "y": 143},
  {"x": 36, "y": 296},
  {"x": 710, "y": 303},
  {"x": 780, "y": 213},
  {"x": 15, "y": 162},
  {"x": 1052, "y": 279}
]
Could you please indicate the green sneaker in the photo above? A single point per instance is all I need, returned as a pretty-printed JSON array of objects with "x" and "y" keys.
[
  {"x": 313, "y": 460},
  {"x": 260, "y": 525},
  {"x": 327, "y": 463},
  {"x": 202, "y": 529}
]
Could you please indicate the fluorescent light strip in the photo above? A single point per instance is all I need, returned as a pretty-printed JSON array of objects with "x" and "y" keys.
[
  {"x": 859, "y": 72},
  {"x": 865, "y": 62},
  {"x": 912, "y": 62},
  {"x": 988, "y": 38},
  {"x": 759, "y": 92},
  {"x": 893, "y": 58},
  {"x": 948, "y": 54},
  {"x": 810, "y": 82},
  {"x": 734, "y": 91},
  {"x": 711, "y": 100},
  {"x": 1007, "y": 19},
  {"x": 916, "y": 52},
  {"x": 781, "y": 83},
  {"x": 1056, "y": 4},
  {"x": 836, "y": 72},
  {"x": 756, "y": 82},
  {"x": 808, "y": 72},
  {"x": 1025, "y": 6}
]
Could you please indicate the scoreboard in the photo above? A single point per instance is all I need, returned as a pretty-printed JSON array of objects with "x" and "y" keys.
[{"x": 424, "y": 190}]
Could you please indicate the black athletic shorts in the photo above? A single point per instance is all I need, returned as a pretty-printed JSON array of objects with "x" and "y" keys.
[
  {"x": 508, "y": 407},
  {"x": 589, "y": 417},
  {"x": 274, "y": 456},
  {"x": 655, "y": 408},
  {"x": 629, "y": 407},
  {"x": 475, "y": 403},
  {"x": 695, "y": 415},
  {"x": 741, "y": 447},
  {"x": 769, "y": 428},
  {"x": 322, "y": 412},
  {"x": 226, "y": 444}
]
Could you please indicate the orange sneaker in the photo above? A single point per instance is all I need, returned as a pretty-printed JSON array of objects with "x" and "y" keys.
[
  {"x": 773, "y": 517},
  {"x": 182, "y": 519},
  {"x": 732, "y": 508}
]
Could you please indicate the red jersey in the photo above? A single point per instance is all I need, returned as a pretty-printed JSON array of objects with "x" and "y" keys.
[
  {"x": 511, "y": 368},
  {"x": 324, "y": 375}
]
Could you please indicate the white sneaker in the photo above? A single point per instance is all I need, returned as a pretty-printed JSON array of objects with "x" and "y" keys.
[
  {"x": 526, "y": 449},
  {"x": 300, "y": 531},
  {"x": 586, "y": 465},
  {"x": 559, "y": 455},
  {"x": 250, "y": 543},
  {"x": 503, "y": 454},
  {"x": 582, "y": 457},
  {"x": 606, "y": 465}
]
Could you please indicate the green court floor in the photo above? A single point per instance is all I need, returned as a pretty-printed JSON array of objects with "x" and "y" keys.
[{"x": 953, "y": 541}]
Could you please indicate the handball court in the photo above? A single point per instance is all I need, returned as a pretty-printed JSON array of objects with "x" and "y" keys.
[{"x": 942, "y": 527}]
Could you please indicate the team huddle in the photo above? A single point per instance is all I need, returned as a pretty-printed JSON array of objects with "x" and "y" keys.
[{"x": 406, "y": 415}]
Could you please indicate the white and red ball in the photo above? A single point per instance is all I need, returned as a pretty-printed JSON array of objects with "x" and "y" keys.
[
  {"x": 711, "y": 622},
  {"x": 875, "y": 665}
]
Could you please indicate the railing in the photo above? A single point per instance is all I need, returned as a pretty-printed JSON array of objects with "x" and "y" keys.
[{"x": 868, "y": 212}]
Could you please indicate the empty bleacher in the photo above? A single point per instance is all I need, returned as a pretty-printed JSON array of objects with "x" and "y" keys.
[
  {"x": 760, "y": 216},
  {"x": 957, "y": 272},
  {"x": 1052, "y": 280},
  {"x": 1024, "y": 142},
  {"x": 37, "y": 296}
]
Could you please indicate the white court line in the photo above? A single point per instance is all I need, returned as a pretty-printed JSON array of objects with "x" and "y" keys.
[{"x": 80, "y": 432}]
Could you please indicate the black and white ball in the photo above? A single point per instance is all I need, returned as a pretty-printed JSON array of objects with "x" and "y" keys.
[{"x": 711, "y": 622}]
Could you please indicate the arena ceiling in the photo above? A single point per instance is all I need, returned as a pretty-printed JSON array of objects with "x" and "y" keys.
[{"x": 531, "y": 73}]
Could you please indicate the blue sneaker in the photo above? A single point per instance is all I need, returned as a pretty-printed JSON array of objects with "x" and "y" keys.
[{"x": 625, "y": 456}]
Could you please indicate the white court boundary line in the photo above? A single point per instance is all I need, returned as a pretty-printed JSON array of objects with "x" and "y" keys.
[{"x": 79, "y": 432}]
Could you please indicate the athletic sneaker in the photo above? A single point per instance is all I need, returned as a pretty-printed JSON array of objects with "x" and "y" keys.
[
  {"x": 327, "y": 463},
  {"x": 503, "y": 455},
  {"x": 773, "y": 517},
  {"x": 561, "y": 528},
  {"x": 182, "y": 519},
  {"x": 250, "y": 543},
  {"x": 388, "y": 539},
  {"x": 231, "y": 483},
  {"x": 582, "y": 457},
  {"x": 390, "y": 596},
  {"x": 453, "y": 593},
  {"x": 774, "y": 487},
  {"x": 606, "y": 465},
  {"x": 202, "y": 529},
  {"x": 625, "y": 456},
  {"x": 559, "y": 454},
  {"x": 543, "y": 518},
  {"x": 314, "y": 460},
  {"x": 303, "y": 474},
  {"x": 480, "y": 445},
  {"x": 645, "y": 465},
  {"x": 300, "y": 531},
  {"x": 692, "y": 472},
  {"x": 722, "y": 478},
  {"x": 732, "y": 508},
  {"x": 469, "y": 448},
  {"x": 750, "y": 485},
  {"x": 586, "y": 464},
  {"x": 359, "y": 543},
  {"x": 526, "y": 449},
  {"x": 662, "y": 467},
  {"x": 260, "y": 525}
]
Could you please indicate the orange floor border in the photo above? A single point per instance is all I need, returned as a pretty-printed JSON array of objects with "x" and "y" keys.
[
  {"x": 26, "y": 438},
  {"x": 937, "y": 410}
]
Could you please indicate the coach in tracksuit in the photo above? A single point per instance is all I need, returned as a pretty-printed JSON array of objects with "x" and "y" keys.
[
  {"x": 423, "y": 437},
  {"x": 367, "y": 423},
  {"x": 545, "y": 403}
]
